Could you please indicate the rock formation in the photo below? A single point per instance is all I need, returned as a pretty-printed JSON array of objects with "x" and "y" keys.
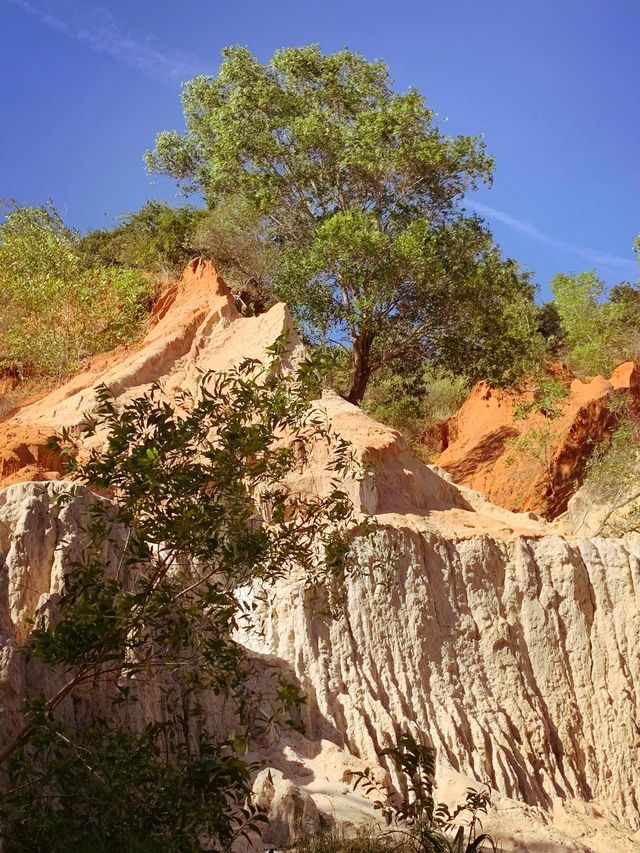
[
  {"x": 194, "y": 327},
  {"x": 514, "y": 648},
  {"x": 479, "y": 442}
]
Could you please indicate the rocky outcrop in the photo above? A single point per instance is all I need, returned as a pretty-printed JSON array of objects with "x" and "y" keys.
[
  {"x": 292, "y": 813},
  {"x": 194, "y": 327},
  {"x": 514, "y": 648},
  {"x": 24, "y": 455},
  {"x": 482, "y": 444}
]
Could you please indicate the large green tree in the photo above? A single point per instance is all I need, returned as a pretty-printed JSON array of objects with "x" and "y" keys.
[{"x": 360, "y": 190}]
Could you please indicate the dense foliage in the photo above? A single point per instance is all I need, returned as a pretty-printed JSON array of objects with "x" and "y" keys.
[
  {"x": 58, "y": 306},
  {"x": 596, "y": 330},
  {"x": 590, "y": 326},
  {"x": 413, "y": 398},
  {"x": 360, "y": 192},
  {"x": 157, "y": 238},
  {"x": 161, "y": 239},
  {"x": 199, "y": 507}
]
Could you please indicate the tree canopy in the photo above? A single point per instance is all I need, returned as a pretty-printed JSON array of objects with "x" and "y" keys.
[{"x": 361, "y": 193}]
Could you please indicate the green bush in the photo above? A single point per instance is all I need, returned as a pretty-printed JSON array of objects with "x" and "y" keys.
[
  {"x": 57, "y": 308},
  {"x": 421, "y": 824},
  {"x": 592, "y": 329},
  {"x": 611, "y": 475},
  {"x": 231, "y": 235},
  {"x": 157, "y": 238},
  {"x": 162, "y": 239},
  {"x": 415, "y": 400},
  {"x": 416, "y": 822},
  {"x": 549, "y": 394}
]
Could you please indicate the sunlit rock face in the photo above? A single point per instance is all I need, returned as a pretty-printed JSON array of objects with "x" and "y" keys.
[
  {"x": 519, "y": 658},
  {"x": 514, "y": 649},
  {"x": 194, "y": 327},
  {"x": 500, "y": 443}
]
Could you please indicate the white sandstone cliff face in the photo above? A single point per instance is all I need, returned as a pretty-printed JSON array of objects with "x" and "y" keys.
[
  {"x": 520, "y": 659},
  {"x": 518, "y": 655},
  {"x": 515, "y": 649},
  {"x": 39, "y": 540}
]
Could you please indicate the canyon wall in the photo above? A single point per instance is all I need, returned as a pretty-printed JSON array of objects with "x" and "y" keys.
[{"x": 515, "y": 649}]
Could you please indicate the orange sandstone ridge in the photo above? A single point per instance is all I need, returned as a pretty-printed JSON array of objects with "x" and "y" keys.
[
  {"x": 479, "y": 450},
  {"x": 195, "y": 326}
]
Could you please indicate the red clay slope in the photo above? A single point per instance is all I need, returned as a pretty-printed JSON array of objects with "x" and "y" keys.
[
  {"x": 194, "y": 327},
  {"x": 479, "y": 447}
]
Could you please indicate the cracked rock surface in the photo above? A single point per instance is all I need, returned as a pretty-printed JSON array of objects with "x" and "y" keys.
[{"x": 515, "y": 649}]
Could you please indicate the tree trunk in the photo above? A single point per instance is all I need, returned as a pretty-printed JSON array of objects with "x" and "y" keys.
[{"x": 361, "y": 355}]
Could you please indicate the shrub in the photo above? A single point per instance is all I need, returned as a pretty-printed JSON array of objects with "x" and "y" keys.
[
  {"x": 611, "y": 476},
  {"x": 592, "y": 329},
  {"x": 550, "y": 327},
  {"x": 535, "y": 447},
  {"x": 361, "y": 840},
  {"x": 627, "y": 296},
  {"x": 158, "y": 238},
  {"x": 549, "y": 392},
  {"x": 412, "y": 401},
  {"x": 163, "y": 239},
  {"x": 57, "y": 309},
  {"x": 200, "y": 492},
  {"x": 231, "y": 235},
  {"x": 421, "y": 825}
]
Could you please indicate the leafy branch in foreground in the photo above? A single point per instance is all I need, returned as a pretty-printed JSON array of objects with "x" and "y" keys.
[
  {"x": 420, "y": 825},
  {"x": 141, "y": 638}
]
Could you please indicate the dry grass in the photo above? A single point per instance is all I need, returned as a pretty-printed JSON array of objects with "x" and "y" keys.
[
  {"x": 25, "y": 392},
  {"x": 364, "y": 839}
]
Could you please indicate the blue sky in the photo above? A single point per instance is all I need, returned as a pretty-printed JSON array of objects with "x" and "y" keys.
[{"x": 552, "y": 84}]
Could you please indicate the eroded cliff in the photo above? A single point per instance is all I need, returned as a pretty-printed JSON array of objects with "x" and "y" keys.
[
  {"x": 504, "y": 444},
  {"x": 514, "y": 648}
]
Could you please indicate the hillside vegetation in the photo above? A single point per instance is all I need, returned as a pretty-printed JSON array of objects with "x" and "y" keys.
[{"x": 59, "y": 305}]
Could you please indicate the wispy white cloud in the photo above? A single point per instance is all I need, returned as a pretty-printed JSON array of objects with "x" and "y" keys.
[
  {"x": 98, "y": 29},
  {"x": 592, "y": 256}
]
